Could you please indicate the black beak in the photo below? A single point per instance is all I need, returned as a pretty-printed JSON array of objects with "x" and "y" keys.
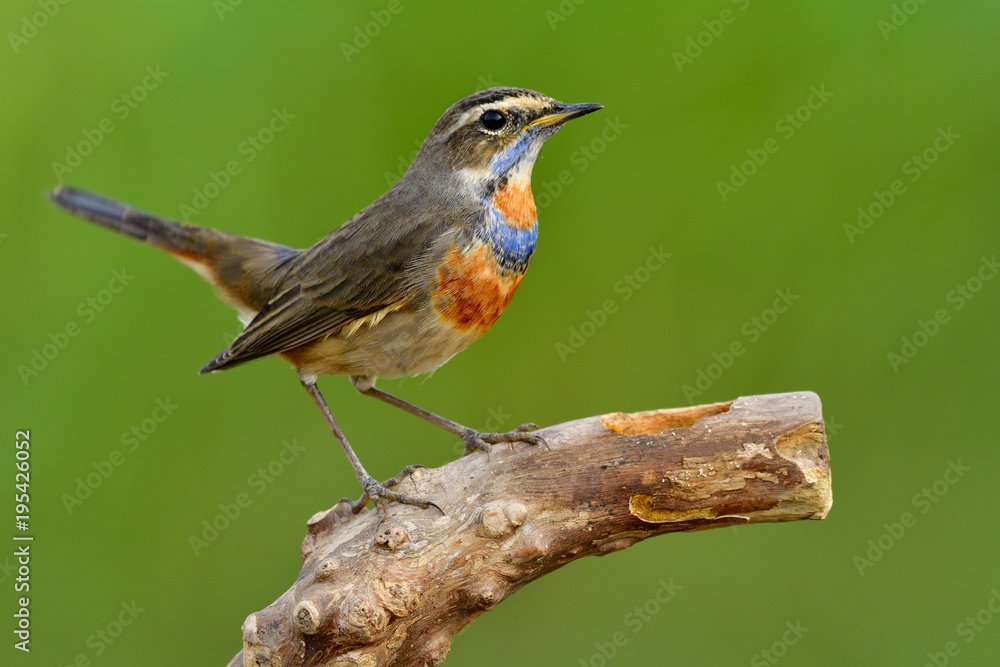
[{"x": 564, "y": 112}]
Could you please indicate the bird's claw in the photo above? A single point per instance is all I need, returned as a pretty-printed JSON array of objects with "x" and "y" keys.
[
  {"x": 474, "y": 440},
  {"x": 379, "y": 493}
]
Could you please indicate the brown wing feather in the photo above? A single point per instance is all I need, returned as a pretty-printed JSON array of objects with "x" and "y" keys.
[{"x": 372, "y": 262}]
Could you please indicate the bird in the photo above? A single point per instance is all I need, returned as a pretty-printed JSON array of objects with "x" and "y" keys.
[{"x": 397, "y": 290}]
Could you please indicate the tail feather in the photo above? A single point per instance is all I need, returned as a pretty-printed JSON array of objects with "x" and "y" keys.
[
  {"x": 247, "y": 272},
  {"x": 167, "y": 234}
]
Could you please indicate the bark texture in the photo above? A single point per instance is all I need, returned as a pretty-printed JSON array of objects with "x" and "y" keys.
[{"x": 394, "y": 594}]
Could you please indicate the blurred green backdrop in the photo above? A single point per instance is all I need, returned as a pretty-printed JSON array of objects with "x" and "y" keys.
[{"x": 739, "y": 136}]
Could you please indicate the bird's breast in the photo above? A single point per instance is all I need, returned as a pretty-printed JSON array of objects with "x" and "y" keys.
[{"x": 473, "y": 287}]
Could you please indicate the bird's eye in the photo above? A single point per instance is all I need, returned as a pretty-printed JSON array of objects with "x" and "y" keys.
[{"x": 493, "y": 120}]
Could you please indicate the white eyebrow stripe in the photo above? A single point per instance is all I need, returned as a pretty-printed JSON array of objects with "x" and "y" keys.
[
  {"x": 461, "y": 122},
  {"x": 500, "y": 105}
]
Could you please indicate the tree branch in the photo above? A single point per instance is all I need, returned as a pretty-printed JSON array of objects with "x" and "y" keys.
[{"x": 395, "y": 594}]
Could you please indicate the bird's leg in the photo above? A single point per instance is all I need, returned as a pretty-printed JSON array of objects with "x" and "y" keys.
[
  {"x": 372, "y": 489},
  {"x": 473, "y": 439}
]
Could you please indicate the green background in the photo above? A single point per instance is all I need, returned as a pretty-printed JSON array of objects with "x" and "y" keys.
[{"x": 680, "y": 130}]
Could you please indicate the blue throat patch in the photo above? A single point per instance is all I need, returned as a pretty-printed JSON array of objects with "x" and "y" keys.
[
  {"x": 512, "y": 247},
  {"x": 503, "y": 162}
]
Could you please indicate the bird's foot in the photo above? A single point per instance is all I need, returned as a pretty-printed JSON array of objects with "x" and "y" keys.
[
  {"x": 474, "y": 440},
  {"x": 379, "y": 493}
]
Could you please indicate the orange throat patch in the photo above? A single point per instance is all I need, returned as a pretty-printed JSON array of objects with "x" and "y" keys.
[
  {"x": 517, "y": 204},
  {"x": 472, "y": 292}
]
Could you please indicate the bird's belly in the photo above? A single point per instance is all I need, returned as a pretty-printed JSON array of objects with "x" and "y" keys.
[
  {"x": 408, "y": 342},
  {"x": 468, "y": 294}
]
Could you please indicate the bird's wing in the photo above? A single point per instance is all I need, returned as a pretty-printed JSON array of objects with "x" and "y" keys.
[{"x": 358, "y": 270}]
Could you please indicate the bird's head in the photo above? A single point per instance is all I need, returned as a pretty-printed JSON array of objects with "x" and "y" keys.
[{"x": 494, "y": 136}]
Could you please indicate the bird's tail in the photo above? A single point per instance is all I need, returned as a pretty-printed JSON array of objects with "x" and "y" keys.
[
  {"x": 174, "y": 237},
  {"x": 246, "y": 271}
]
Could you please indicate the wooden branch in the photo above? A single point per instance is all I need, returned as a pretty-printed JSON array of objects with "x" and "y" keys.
[{"x": 395, "y": 594}]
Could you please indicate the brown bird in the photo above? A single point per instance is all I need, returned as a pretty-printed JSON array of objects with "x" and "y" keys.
[{"x": 398, "y": 289}]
